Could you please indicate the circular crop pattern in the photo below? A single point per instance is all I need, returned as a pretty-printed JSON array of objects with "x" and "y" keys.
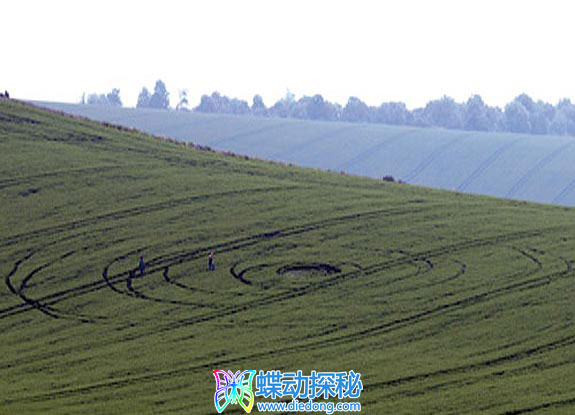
[{"x": 298, "y": 270}]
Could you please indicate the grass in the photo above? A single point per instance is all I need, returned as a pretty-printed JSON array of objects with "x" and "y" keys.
[{"x": 445, "y": 303}]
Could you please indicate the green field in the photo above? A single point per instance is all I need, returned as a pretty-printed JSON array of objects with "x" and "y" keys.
[{"x": 445, "y": 303}]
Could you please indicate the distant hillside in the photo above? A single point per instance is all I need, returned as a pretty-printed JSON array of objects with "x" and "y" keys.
[{"x": 525, "y": 167}]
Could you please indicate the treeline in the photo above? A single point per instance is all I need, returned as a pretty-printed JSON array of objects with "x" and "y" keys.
[
  {"x": 522, "y": 115},
  {"x": 159, "y": 99},
  {"x": 111, "y": 98}
]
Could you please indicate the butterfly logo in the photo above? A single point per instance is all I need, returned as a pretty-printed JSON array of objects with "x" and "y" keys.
[{"x": 234, "y": 388}]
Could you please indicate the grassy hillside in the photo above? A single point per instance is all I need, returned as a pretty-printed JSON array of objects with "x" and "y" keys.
[
  {"x": 522, "y": 167},
  {"x": 445, "y": 303}
]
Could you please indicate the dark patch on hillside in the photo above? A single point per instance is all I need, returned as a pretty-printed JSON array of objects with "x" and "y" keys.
[
  {"x": 76, "y": 137},
  {"x": 17, "y": 119},
  {"x": 297, "y": 269},
  {"x": 29, "y": 192}
]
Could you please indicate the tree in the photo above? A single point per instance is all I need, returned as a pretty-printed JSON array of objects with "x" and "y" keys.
[
  {"x": 420, "y": 118},
  {"x": 238, "y": 107},
  {"x": 538, "y": 117},
  {"x": 526, "y": 101},
  {"x": 97, "y": 99},
  {"x": 540, "y": 113},
  {"x": 548, "y": 109},
  {"x": 206, "y": 104},
  {"x": 496, "y": 119},
  {"x": 475, "y": 115},
  {"x": 113, "y": 97},
  {"x": 183, "y": 102},
  {"x": 564, "y": 121},
  {"x": 217, "y": 103},
  {"x": 214, "y": 103},
  {"x": 444, "y": 112},
  {"x": 315, "y": 108},
  {"x": 299, "y": 108},
  {"x": 332, "y": 111},
  {"x": 539, "y": 123},
  {"x": 395, "y": 113},
  {"x": 564, "y": 103},
  {"x": 517, "y": 118},
  {"x": 258, "y": 107},
  {"x": 355, "y": 111},
  {"x": 285, "y": 107},
  {"x": 144, "y": 98},
  {"x": 160, "y": 98}
]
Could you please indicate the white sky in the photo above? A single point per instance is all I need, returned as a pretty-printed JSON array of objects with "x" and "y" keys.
[{"x": 409, "y": 50}]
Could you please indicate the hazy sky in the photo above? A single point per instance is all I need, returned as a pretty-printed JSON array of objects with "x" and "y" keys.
[{"x": 409, "y": 50}]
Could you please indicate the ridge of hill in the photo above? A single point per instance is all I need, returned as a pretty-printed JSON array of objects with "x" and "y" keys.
[
  {"x": 443, "y": 302},
  {"x": 521, "y": 167}
]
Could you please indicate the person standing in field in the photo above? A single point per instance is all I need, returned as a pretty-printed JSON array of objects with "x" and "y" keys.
[
  {"x": 142, "y": 265},
  {"x": 211, "y": 264}
]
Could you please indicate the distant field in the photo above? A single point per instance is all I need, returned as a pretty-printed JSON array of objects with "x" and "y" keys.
[
  {"x": 523, "y": 167},
  {"x": 445, "y": 303}
]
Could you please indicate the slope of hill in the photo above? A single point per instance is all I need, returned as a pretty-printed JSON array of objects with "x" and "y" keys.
[
  {"x": 524, "y": 167},
  {"x": 445, "y": 303}
]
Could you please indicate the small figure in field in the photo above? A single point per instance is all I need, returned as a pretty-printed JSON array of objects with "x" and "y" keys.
[
  {"x": 211, "y": 263},
  {"x": 6, "y": 95},
  {"x": 142, "y": 265}
]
